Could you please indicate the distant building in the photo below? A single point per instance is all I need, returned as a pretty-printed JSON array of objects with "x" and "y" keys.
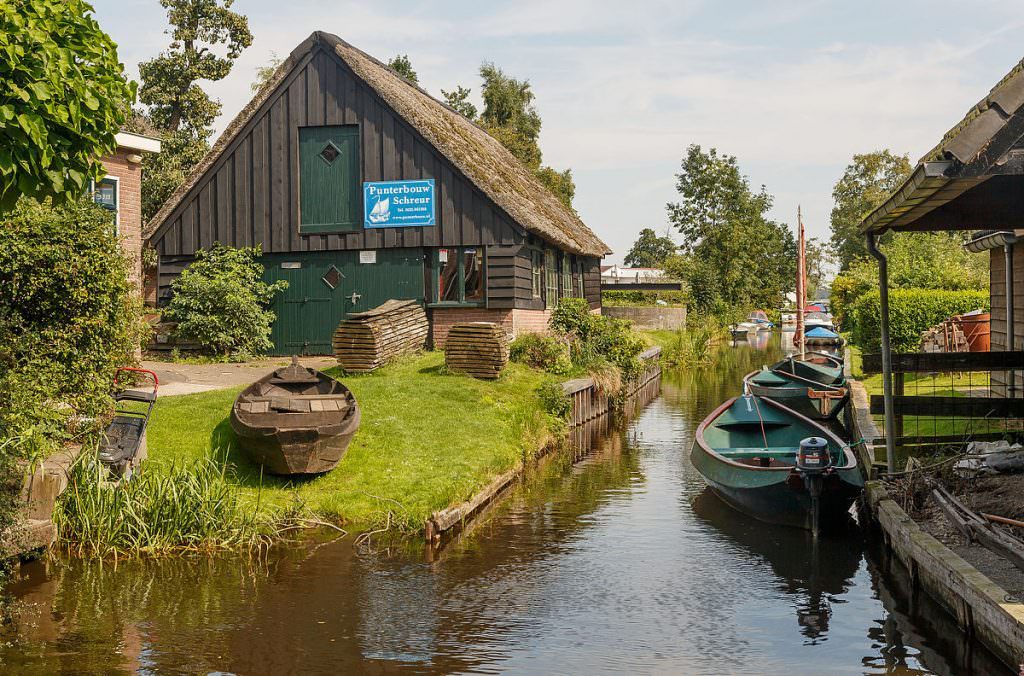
[{"x": 619, "y": 274}]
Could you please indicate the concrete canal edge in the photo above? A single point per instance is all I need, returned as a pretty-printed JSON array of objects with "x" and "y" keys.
[
  {"x": 589, "y": 402},
  {"x": 42, "y": 485},
  {"x": 981, "y": 607}
]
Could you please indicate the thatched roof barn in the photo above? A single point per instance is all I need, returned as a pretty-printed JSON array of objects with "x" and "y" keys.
[{"x": 339, "y": 161}]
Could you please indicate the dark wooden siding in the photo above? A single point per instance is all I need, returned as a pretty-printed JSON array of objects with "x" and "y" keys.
[
  {"x": 997, "y": 291},
  {"x": 592, "y": 281},
  {"x": 509, "y": 283},
  {"x": 250, "y": 194}
]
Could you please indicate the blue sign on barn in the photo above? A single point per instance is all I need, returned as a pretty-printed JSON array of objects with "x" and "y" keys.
[{"x": 398, "y": 204}]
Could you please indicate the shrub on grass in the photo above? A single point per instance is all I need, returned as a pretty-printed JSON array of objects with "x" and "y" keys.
[
  {"x": 596, "y": 338},
  {"x": 554, "y": 400},
  {"x": 221, "y": 302},
  {"x": 541, "y": 351},
  {"x": 911, "y": 311}
]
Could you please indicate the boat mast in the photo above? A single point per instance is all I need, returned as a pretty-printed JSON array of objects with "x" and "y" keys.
[{"x": 801, "y": 283}]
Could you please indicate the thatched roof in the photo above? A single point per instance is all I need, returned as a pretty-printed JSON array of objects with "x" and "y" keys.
[{"x": 473, "y": 152}]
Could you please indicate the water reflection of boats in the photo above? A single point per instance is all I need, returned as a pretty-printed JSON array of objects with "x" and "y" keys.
[{"x": 813, "y": 574}]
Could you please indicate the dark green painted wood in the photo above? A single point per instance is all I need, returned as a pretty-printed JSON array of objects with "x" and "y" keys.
[
  {"x": 309, "y": 311},
  {"x": 946, "y": 362},
  {"x": 329, "y": 192}
]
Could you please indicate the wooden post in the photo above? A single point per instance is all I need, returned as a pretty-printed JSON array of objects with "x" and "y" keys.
[{"x": 897, "y": 390}]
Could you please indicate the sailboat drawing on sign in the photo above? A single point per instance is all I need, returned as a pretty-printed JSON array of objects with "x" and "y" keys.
[{"x": 381, "y": 211}]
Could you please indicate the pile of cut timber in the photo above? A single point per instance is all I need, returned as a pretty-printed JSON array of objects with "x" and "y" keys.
[
  {"x": 477, "y": 348},
  {"x": 367, "y": 340}
]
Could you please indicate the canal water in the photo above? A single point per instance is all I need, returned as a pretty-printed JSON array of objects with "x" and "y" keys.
[{"x": 621, "y": 562}]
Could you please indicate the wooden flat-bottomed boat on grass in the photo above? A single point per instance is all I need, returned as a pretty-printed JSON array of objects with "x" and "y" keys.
[
  {"x": 749, "y": 452},
  {"x": 295, "y": 421}
]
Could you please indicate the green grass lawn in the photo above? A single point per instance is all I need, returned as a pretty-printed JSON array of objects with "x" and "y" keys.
[
  {"x": 427, "y": 439},
  {"x": 939, "y": 385}
]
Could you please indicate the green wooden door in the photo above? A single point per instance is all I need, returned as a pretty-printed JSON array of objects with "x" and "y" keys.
[
  {"x": 324, "y": 287},
  {"x": 329, "y": 195}
]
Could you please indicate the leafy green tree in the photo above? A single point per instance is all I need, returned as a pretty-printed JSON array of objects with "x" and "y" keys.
[
  {"x": 733, "y": 256},
  {"x": 510, "y": 116},
  {"x": 221, "y": 302},
  {"x": 649, "y": 250},
  {"x": 264, "y": 73},
  {"x": 63, "y": 97},
  {"x": 864, "y": 185},
  {"x": 403, "y": 66},
  {"x": 458, "y": 99},
  {"x": 206, "y": 39},
  {"x": 819, "y": 259}
]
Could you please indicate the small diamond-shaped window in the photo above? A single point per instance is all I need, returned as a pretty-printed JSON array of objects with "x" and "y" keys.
[
  {"x": 330, "y": 153},
  {"x": 333, "y": 277}
]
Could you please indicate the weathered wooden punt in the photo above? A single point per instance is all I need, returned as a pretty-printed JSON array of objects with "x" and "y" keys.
[
  {"x": 295, "y": 420},
  {"x": 746, "y": 450},
  {"x": 819, "y": 367},
  {"x": 805, "y": 396}
]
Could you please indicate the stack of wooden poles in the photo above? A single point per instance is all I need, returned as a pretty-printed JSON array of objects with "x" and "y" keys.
[
  {"x": 367, "y": 340},
  {"x": 479, "y": 349}
]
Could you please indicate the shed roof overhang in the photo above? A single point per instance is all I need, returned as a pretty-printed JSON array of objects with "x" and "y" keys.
[{"x": 973, "y": 178}]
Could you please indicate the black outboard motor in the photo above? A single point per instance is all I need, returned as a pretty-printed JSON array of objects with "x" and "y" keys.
[{"x": 812, "y": 461}]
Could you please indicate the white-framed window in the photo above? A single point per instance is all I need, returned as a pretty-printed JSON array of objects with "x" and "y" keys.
[{"x": 107, "y": 194}]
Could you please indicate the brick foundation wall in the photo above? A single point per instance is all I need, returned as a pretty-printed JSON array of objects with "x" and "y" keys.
[
  {"x": 515, "y": 322},
  {"x": 442, "y": 319},
  {"x": 129, "y": 207},
  {"x": 530, "y": 321}
]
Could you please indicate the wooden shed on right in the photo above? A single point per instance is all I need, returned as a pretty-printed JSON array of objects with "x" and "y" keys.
[{"x": 973, "y": 180}]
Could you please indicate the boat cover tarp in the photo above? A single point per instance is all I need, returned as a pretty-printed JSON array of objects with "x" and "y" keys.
[
  {"x": 769, "y": 379},
  {"x": 821, "y": 332},
  {"x": 748, "y": 411}
]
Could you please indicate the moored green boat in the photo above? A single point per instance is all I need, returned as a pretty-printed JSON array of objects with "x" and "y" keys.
[
  {"x": 822, "y": 369},
  {"x": 807, "y": 397},
  {"x": 759, "y": 456}
]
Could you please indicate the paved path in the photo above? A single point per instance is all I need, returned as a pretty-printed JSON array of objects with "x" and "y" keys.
[{"x": 191, "y": 378}]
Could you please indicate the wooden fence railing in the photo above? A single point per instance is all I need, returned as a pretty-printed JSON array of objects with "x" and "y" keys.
[{"x": 589, "y": 401}]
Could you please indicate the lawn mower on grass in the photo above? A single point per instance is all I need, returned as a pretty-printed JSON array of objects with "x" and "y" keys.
[{"x": 123, "y": 445}]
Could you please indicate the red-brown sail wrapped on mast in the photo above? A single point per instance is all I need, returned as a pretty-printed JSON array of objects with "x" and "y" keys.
[{"x": 801, "y": 283}]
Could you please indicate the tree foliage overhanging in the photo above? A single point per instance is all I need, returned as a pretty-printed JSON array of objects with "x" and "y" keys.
[
  {"x": 865, "y": 184},
  {"x": 63, "y": 97},
  {"x": 207, "y": 38},
  {"x": 510, "y": 116},
  {"x": 733, "y": 256}
]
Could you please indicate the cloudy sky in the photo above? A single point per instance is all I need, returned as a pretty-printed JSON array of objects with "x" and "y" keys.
[{"x": 792, "y": 88}]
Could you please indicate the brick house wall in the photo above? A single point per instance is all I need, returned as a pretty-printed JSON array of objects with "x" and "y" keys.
[
  {"x": 515, "y": 322},
  {"x": 129, "y": 206}
]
